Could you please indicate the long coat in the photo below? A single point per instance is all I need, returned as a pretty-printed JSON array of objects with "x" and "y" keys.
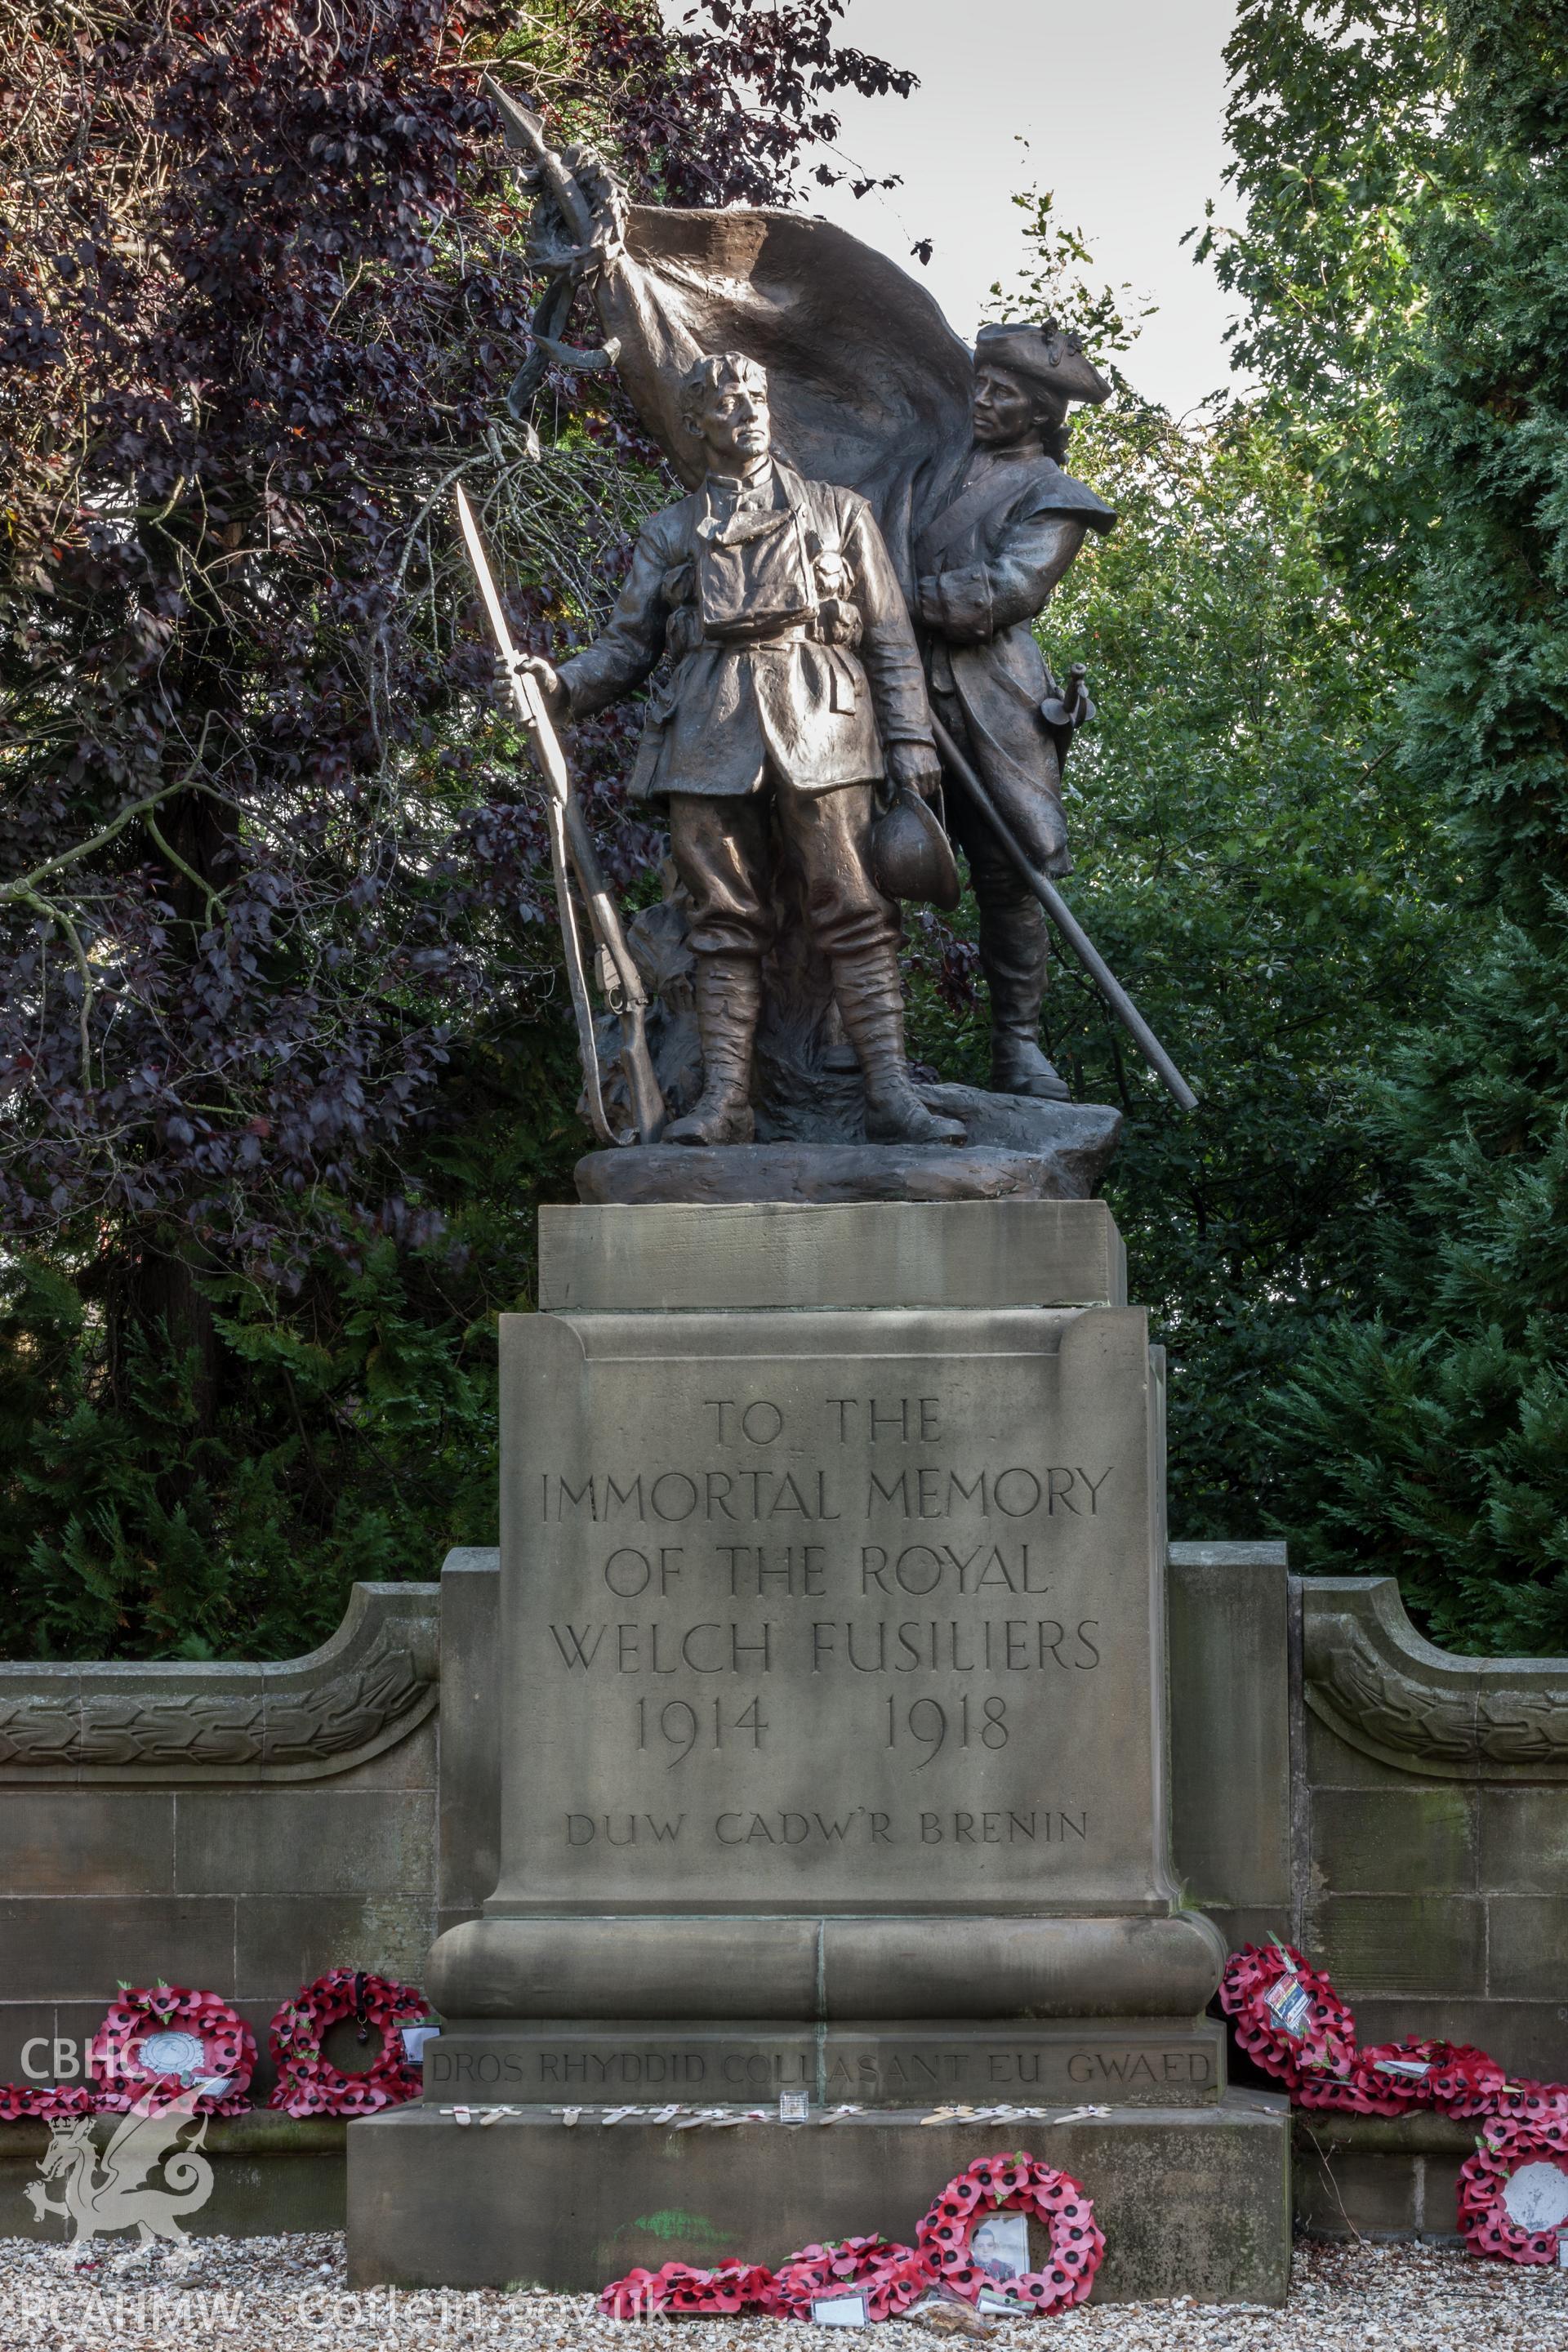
[
  {"x": 986, "y": 566},
  {"x": 789, "y": 638}
]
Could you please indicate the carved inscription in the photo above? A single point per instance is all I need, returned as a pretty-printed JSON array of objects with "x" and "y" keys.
[
  {"x": 871, "y": 1562},
  {"x": 880, "y": 2071},
  {"x": 687, "y": 2073}
]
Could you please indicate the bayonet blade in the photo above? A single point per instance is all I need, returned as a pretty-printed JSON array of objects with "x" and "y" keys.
[
  {"x": 488, "y": 590},
  {"x": 525, "y": 693}
]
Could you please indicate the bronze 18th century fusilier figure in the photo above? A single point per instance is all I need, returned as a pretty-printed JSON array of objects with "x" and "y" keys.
[
  {"x": 986, "y": 567},
  {"x": 795, "y": 689}
]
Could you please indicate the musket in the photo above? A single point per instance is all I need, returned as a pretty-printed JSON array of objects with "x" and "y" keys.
[
  {"x": 1066, "y": 921},
  {"x": 572, "y": 846}
]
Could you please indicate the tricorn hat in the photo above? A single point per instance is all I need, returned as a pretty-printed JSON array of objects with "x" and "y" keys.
[{"x": 1045, "y": 358}]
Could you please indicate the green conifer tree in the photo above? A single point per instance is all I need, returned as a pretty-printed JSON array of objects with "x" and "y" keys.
[{"x": 1434, "y": 1441}]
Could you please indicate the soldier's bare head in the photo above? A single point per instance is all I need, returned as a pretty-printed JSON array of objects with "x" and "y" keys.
[{"x": 724, "y": 404}]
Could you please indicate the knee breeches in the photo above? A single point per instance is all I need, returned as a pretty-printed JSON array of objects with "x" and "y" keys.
[{"x": 729, "y": 852}]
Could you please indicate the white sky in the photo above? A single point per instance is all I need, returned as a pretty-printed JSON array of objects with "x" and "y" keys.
[{"x": 1122, "y": 104}]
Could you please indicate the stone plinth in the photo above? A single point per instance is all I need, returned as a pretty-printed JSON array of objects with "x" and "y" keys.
[
  {"x": 823, "y": 1627},
  {"x": 1192, "y": 2202},
  {"x": 682, "y": 1257},
  {"x": 834, "y": 1729}
]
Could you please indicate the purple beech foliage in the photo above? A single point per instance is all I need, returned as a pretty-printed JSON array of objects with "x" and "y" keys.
[{"x": 270, "y": 853}]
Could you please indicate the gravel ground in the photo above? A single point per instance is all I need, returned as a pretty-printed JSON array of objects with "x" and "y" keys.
[{"x": 289, "y": 2294}]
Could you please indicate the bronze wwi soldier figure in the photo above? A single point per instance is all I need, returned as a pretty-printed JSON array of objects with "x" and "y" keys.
[
  {"x": 796, "y": 689},
  {"x": 986, "y": 566}
]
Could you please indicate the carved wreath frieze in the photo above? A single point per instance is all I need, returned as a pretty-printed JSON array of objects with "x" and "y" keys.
[
  {"x": 1371, "y": 1678},
  {"x": 369, "y": 1687}
]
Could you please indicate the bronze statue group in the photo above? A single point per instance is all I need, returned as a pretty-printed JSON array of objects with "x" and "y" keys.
[{"x": 839, "y": 620}]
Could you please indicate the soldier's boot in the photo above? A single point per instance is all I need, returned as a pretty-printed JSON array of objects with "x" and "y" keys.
[
  {"x": 1013, "y": 958},
  {"x": 729, "y": 994},
  {"x": 871, "y": 1001}
]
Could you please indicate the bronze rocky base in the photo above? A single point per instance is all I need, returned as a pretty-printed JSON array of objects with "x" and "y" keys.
[{"x": 1016, "y": 1149}]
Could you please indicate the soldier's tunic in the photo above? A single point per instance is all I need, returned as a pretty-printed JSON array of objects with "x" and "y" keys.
[
  {"x": 793, "y": 662},
  {"x": 987, "y": 565}
]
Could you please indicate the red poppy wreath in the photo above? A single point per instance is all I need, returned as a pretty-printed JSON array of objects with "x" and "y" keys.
[
  {"x": 1013, "y": 2184},
  {"x": 308, "y": 2084},
  {"x": 158, "y": 2042},
  {"x": 1513, "y": 2192},
  {"x": 1526, "y": 2101},
  {"x": 889, "y": 2277},
  {"x": 1464, "y": 2081},
  {"x": 722, "y": 2292},
  {"x": 24, "y": 2102},
  {"x": 1389, "y": 2078},
  {"x": 1288, "y": 2018}
]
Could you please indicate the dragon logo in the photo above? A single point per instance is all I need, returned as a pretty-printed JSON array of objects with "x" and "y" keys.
[{"x": 102, "y": 2194}]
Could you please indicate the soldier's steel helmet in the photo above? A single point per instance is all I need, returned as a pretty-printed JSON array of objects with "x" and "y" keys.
[
  {"x": 911, "y": 856},
  {"x": 1047, "y": 360}
]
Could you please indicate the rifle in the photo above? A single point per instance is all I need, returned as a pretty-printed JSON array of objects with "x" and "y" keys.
[
  {"x": 572, "y": 846},
  {"x": 1067, "y": 923}
]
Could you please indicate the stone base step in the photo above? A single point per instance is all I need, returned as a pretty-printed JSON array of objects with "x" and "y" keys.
[{"x": 1192, "y": 2202}]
